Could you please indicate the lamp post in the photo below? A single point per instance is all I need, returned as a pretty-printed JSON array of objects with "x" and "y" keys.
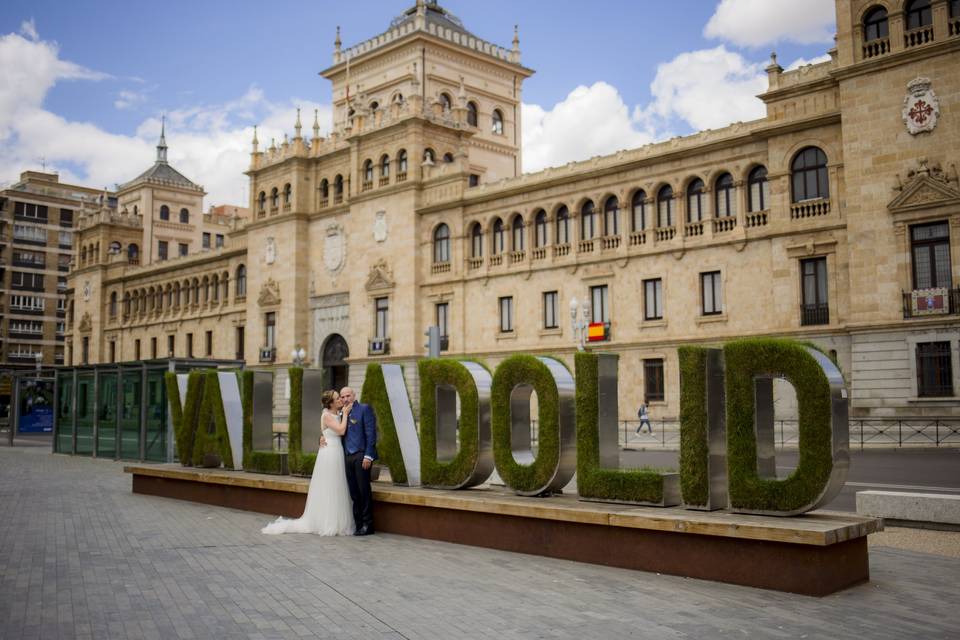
[
  {"x": 299, "y": 356},
  {"x": 579, "y": 321}
]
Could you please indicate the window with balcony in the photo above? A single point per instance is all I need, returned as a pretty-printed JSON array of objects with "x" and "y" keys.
[
  {"x": 441, "y": 244},
  {"x": 934, "y": 370},
  {"x": 809, "y": 175},
  {"x": 759, "y": 193},
  {"x": 551, "y": 310},
  {"x": 930, "y": 248},
  {"x": 472, "y": 118},
  {"x": 653, "y": 380},
  {"x": 270, "y": 330},
  {"x": 665, "y": 206},
  {"x": 506, "y": 314},
  {"x": 695, "y": 200},
  {"x": 711, "y": 297},
  {"x": 638, "y": 209},
  {"x": 813, "y": 286},
  {"x": 653, "y": 299},
  {"x": 563, "y": 225},
  {"x": 240, "y": 282},
  {"x": 476, "y": 241},
  {"x": 725, "y": 201},
  {"x": 600, "y": 304},
  {"x": 29, "y": 233},
  {"x": 381, "y": 308},
  {"x": 875, "y": 26},
  {"x": 517, "y": 232},
  {"x": 611, "y": 217},
  {"x": 499, "y": 237},
  {"x": 919, "y": 14},
  {"x": 442, "y": 319},
  {"x": 588, "y": 221}
]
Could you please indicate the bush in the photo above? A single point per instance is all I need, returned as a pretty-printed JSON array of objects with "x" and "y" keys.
[
  {"x": 184, "y": 414},
  {"x": 535, "y": 477},
  {"x": 257, "y": 461},
  {"x": 456, "y": 473},
  {"x": 374, "y": 393},
  {"x": 694, "y": 440},
  {"x": 212, "y": 437},
  {"x": 593, "y": 481},
  {"x": 296, "y": 458},
  {"x": 766, "y": 356}
]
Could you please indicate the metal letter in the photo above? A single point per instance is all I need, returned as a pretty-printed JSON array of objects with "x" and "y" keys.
[{"x": 403, "y": 421}]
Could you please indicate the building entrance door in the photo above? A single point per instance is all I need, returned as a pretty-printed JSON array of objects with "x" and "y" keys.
[{"x": 334, "y": 359}]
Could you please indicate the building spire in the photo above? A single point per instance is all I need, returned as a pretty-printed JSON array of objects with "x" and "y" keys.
[
  {"x": 256, "y": 142},
  {"x": 162, "y": 145},
  {"x": 316, "y": 124},
  {"x": 297, "y": 127}
]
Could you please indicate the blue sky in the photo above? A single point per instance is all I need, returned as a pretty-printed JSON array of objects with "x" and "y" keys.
[{"x": 640, "y": 70}]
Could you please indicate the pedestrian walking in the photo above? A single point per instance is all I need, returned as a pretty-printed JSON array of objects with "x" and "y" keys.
[{"x": 644, "y": 416}]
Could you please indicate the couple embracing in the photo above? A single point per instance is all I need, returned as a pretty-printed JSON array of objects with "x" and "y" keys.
[{"x": 339, "y": 501}]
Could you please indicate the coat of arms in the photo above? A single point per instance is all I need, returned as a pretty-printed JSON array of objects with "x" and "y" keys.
[
  {"x": 921, "y": 108},
  {"x": 333, "y": 248}
]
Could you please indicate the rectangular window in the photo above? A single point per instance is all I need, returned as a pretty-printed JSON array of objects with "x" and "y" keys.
[
  {"x": 182, "y": 249},
  {"x": 653, "y": 299},
  {"x": 930, "y": 247},
  {"x": 443, "y": 318},
  {"x": 30, "y": 211},
  {"x": 813, "y": 286},
  {"x": 162, "y": 250},
  {"x": 551, "y": 303},
  {"x": 27, "y": 303},
  {"x": 240, "y": 343},
  {"x": 208, "y": 349},
  {"x": 21, "y": 280},
  {"x": 506, "y": 314},
  {"x": 65, "y": 239},
  {"x": 270, "y": 336},
  {"x": 474, "y": 180},
  {"x": 136, "y": 349},
  {"x": 85, "y": 353},
  {"x": 599, "y": 304},
  {"x": 66, "y": 217},
  {"x": 665, "y": 212},
  {"x": 710, "y": 293},
  {"x": 653, "y": 380},
  {"x": 29, "y": 233},
  {"x": 171, "y": 343},
  {"x": 189, "y": 345},
  {"x": 206, "y": 240},
  {"x": 381, "y": 317},
  {"x": 219, "y": 240},
  {"x": 153, "y": 348},
  {"x": 113, "y": 351},
  {"x": 934, "y": 370}
]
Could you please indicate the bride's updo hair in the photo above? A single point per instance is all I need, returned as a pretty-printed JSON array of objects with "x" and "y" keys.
[{"x": 328, "y": 398}]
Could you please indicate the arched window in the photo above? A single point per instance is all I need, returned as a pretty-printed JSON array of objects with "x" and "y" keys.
[
  {"x": 185, "y": 293},
  {"x": 919, "y": 14},
  {"x": 611, "y": 217},
  {"x": 113, "y": 304},
  {"x": 169, "y": 291},
  {"x": 133, "y": 253},
  {"x": 448, "y": 158},
  {"x": 274, "y": 198},
  {"x": 725, "y": 200},
  {"x": 83, "y": 254},
  {"x": 759, "y": 194},
  {"x": 114, "y": 248},
  {"x": 540, "y": 229},
  {"x": 428, "y": 156},
  {"x": 563, "y": 225},
  {"x": 472, "y": 118},
  {"x": 638, "y": 211},
  {"x": 164, "y": 212},
  {"x": 517, "y": 229},
  {"x": 126, "y": 304},
  {"x": 225, "y": 283},
  {"x": 385, "y": 166},
  {"x": 588, "y": 221},
  {"x": 374, "y": 106},
  {"x": 695, "y": 201},
  {"x": 338, "y": 185},
  {"x": 184, "y": 216},
  {"x": 875, "y": 24},
  {"x": 215, "y": 288},
  {"x": 441, "y": 243},
  {"x": 445, "y": 101},
  {"x": 368, "y": 171},
  {"x": 665, "y": 206},
  {"x": 402, "y": 161},
  {"x": 324, "y": 189},
  {"x": 810, "y": 175},
  {"x": 176, "y": 294},
  {"x": 476, "y": 241},
  {"x": 241, "y": 282},
  {"x": 136, "y": 210},
  {"x": 262, "y": 201},
  {"x": 497, "y": 119},
  {"x": 398, "y": 99},
  {"x": 287, "y": 194},
  {"x": 196, "y": 291},
  {"x": 498, "y": 239}
]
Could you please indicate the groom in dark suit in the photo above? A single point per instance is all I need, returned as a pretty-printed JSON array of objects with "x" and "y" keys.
[{"x": 360, "y": 449}]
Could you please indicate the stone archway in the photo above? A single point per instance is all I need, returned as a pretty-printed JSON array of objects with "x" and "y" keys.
[{"x": 333, "y": 358}]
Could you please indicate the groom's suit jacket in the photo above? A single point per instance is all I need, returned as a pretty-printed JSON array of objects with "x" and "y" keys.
[{"x": 361, "y": 435}]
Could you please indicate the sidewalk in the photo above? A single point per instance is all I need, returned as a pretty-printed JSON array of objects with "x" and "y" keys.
[{"x": 81, "y": 556}]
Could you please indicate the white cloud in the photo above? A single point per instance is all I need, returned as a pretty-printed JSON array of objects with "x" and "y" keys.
[
  {"x": 29, "y": 29},
  {"x": 756, "y": 23},
  {"x": 802, "y": 62},
  {"x": 210, "y": 144}
]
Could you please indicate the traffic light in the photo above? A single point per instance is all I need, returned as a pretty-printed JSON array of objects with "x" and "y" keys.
[{"x": 432, "y": 344}]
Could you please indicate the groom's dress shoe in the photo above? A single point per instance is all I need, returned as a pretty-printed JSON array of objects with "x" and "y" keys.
[{"x": 364, "y": 531}]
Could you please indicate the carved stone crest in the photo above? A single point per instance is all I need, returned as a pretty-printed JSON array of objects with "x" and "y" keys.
[
  {"x": 380, "y": 277},
  {"x": 86, "y": 324},
  {"x": 926, "y": 186},
  {"x": 269, "y": 293},
  {"x": 333, "y": 248},
  {"x": 86, "y": 291},
  {"x": 921, "y": 108},
  {"x": 270, "y": 251},
  {"x": 380, "y": 226}
]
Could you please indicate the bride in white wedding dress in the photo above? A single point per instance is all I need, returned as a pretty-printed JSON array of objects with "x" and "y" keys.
[{"x": 329, "y": 510}]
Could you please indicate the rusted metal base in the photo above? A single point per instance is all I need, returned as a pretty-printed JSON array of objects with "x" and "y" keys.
[{"x": 815, "y": 570}]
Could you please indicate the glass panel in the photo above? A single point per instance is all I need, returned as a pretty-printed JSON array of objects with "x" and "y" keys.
[
  {"x": 85, "y": 409},
  {"x": 107, "y": 414},
  {"x": 130, "y": 415},
  {"x": 822, "y": 280},
  {"x": 921, "y": 266},
  {"x": 156, "y": 417},
  {"x": 941, "y": 257},
  {"x": 65, "y": 414}
]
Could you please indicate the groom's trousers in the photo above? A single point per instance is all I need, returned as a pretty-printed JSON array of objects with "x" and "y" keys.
[{"x": 358, "y": 480}]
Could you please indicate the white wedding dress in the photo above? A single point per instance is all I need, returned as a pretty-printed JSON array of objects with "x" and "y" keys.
[{"x": 329, "y": 510}]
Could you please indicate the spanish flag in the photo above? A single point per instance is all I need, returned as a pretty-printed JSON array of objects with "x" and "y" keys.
[{"x": 596, "y": 332}]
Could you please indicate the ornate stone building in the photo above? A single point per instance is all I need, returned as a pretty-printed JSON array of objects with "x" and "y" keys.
[{"x": 833, "y": 219}]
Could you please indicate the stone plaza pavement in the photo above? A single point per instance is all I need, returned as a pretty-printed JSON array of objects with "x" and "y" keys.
[{"x": 83, "y": 557}]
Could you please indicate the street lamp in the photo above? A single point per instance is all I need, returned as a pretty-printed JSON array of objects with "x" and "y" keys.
[
  {"x": 579, "y": 322},
  {"x": 299, "y": 356}
]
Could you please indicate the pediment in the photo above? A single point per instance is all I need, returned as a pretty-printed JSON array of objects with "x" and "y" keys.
[
  {"x": 269, "y": 294},
  {"x": 380, "y": 277},
  {"x": 925, "y": 189}
]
